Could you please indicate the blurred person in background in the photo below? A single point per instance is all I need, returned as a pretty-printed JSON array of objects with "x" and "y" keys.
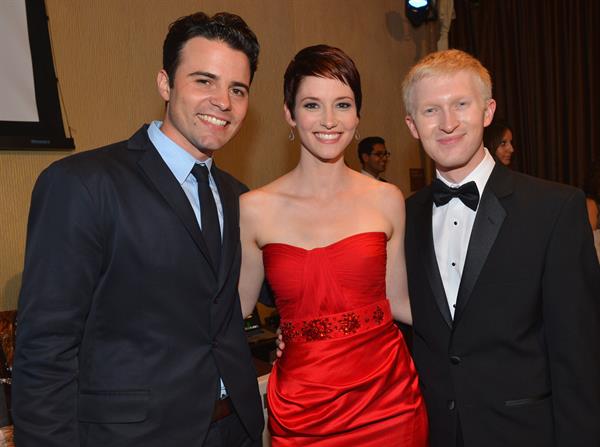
[
  {"x": 497, "y": 138},
  {"x": 591, "y": 188},
  {"x": 373, "y": 157}
]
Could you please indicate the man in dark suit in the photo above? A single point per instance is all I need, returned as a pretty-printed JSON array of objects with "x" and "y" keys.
[
  {"x": 130, "y": 327},
  {"x": 504, "y": 286}
]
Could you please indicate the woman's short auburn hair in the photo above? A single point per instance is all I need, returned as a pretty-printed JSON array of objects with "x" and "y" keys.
[{"x": 322, "y": 61}]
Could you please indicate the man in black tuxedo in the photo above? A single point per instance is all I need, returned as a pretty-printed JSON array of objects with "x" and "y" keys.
[
  {"x": 130, "y": 327},
  {"x": 504, "y": 285}
]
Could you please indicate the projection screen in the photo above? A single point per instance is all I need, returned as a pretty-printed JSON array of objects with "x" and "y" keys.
[{"x": 30, "y": 114}]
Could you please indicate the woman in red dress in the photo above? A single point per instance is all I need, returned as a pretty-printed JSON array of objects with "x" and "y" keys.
[{"x": 330, "y": 242}]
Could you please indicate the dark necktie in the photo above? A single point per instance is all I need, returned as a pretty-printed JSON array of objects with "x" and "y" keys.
[
  {"x": 211, "y": 230},
  {"x": 467, "y": 193}
]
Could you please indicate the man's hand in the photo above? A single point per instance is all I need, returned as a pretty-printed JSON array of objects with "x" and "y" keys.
[
  {"x": 6, "y": 436},
  {"x": 280, "y": 343}
]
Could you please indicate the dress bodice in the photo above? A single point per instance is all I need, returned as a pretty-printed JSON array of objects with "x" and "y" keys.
[
  {"x": 342, "y": 276},
  {"x": 345, "y": 377}
]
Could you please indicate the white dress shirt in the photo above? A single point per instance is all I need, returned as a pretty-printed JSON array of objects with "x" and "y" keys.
[
  {"x": 452, "y": 225},
  {"x": 368, "y": 174}
]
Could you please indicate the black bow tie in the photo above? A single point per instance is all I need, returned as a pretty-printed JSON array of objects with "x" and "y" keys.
[{"x": 467, "y": 193}]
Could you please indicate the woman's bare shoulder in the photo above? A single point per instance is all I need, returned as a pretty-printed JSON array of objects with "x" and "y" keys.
[
  {"x": 378, "y": 191},
  {"x": 389, "y": 199},
  {"x": 263, "y": 199}
]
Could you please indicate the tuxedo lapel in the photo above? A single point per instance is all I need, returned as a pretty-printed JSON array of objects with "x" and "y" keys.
[
  {"x": 166, "y": 184},
  {"x": 488, "y": 221},
  {"x": 425, "y": 240}
]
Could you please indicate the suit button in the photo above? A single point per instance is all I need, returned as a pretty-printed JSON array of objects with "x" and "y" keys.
[
  {"x": 451, "y": 405},
  {"x": 215, "y": 344},
  {"x": 455, "y": 360}
]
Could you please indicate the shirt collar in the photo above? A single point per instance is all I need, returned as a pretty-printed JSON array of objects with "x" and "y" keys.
[
  {"x": 479, "y": 175},
  {"x": 362, "y": 171},
  {"x": 176, "y": 158}
]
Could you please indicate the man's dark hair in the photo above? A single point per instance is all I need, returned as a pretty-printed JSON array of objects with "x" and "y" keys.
[
  {"x": 366, "y": 146},
  {"x": 223, "y": 26}
]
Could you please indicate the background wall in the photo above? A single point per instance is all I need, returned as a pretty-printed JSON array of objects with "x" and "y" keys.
[{"x": 107, "y": 54}]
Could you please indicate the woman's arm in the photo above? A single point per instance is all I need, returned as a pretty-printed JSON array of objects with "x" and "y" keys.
[
  {"x": 396, "y": 282},
  {"x": 252, "y": 273}
]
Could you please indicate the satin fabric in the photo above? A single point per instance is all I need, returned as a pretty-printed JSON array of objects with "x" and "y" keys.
[{"x": 346, "y": 377}]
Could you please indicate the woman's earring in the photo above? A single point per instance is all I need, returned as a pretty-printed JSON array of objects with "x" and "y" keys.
[
  {"x": 356, "y": 135},
  {"x": 291, "y": 135}
]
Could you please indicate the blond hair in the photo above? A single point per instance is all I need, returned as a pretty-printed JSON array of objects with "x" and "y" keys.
[{"x": 445, "y": 63}]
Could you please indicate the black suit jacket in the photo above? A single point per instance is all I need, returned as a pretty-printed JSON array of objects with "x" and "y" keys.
[
  {"x": 124, "y": 325},
  {"x": 520, "y": 363}
]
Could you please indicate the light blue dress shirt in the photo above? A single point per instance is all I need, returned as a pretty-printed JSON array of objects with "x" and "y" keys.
[{"x": 181, "y": 163}]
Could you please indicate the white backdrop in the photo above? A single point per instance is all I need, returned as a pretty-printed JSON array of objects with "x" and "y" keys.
[{"x": 17, "y": 91}]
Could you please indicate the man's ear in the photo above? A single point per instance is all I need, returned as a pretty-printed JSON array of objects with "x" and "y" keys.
[
  {"x": 162, "y": 84},
  {"x": 488, "y": 113},
  {"x": 411, "y": 126}
]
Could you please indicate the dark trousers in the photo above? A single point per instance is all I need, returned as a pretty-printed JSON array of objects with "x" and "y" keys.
[
  {"x": 459, "y": 436},
  {"x": 229, "y": 432}
]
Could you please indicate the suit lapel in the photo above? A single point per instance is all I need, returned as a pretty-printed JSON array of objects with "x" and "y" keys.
[
  {"x": 488, "y": 221},
  {"x": 425, "y": 239},
  {"x": 166, "y": 184},
  {"x": 230, "y": 204}
]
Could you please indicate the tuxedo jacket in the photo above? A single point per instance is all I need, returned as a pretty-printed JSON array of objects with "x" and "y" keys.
[
  {"x": 125, "y": 326},
  {"x": 519, "y": 365}
]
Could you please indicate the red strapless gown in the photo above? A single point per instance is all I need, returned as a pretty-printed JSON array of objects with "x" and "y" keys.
[{"x": 346, "y": 378}]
